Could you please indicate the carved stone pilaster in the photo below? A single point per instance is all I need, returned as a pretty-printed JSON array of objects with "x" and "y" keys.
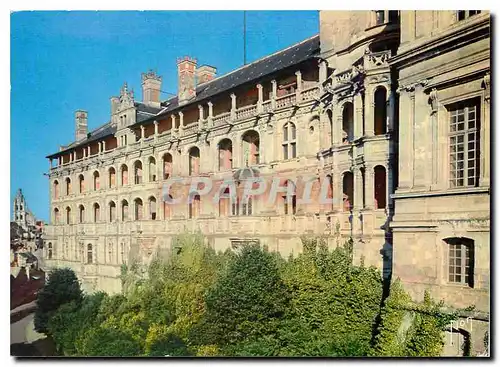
[
  {"x": 433, "y": 101},
  {"x": 486, "y": 85}
]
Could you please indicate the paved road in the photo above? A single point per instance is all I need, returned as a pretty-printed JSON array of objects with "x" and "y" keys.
[
  {"x": 23, "y": 331},
  {"x": 23, "y": 307}
]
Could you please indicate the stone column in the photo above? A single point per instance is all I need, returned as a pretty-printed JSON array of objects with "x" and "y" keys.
[
  {"x": 200, "y": 116},
  {"x": 88, "y": 151},
  {"x": 260, "y": 100},
  {"x": 358, "y": 116},
  {"x": 369, "y": 187},
  {"x": 210, "y": 114},
  {"x": 233, "y": 106},
  {"x": 389, "y": 184},
  {"x": 323, "y": 74},
  {"x": 358, "y": 189},
  {"x": 484, "y": 167},
  {"x": 336, "y": 125},
  {"x": 274, "y": 92},
  {"x": 236, "y": 150},
  {"x": 391, "y": 103},
  {"x": 336, "y": 191},
  {"x": 181, "y": 122},
  {"x": 103, "y": 147},
  {"x": 298, "y": 92},
  {"x": 156, "y": 129},
  {"x": 142, "y": 132},
  {"x": 84, "y": 154},
  {"x": 433, "y": 98},
  {"x": 369, "y": 111},
  {"x": 50, "y": 163}
]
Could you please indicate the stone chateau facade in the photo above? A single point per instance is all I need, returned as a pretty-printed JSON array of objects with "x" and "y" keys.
[{"x": 390, "y": 110}]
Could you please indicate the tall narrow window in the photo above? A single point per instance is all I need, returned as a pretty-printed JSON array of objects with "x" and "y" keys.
[
  {"x": 112, "y": 211},
  {"x": 56, "y": 189},
  {"x": 152, "y": 169},
  {"x": 289, "y": 141},
  {"x": 347, "y": 123},
  {"x": 50, "y": 251},
  {"x": 81, "y": 215},
  {"x": 68, "y": 186},
  {"x": 167, "y": 166},
  {"x": 251, "y": 147},
  {"x": 90, "y": 254},
  {"x": 138, "y": 209},
  {"x": 380, "y": 187},
  {"x": 380, "y": 111},
  {"x": 194, "y": 206},
  {"x": 152, "y": 208},
  {"x": 464, "y": 144},
  {"x": 96, "y": 180},
  {"x": 138, "y": 172},
  {"x": 461, "y": 261},
  {"x": 97, "y": 213},
  {"x": 56, "y": 216},
  {"x": 290, "y": 199},
  {"x": 68, "y": 215},
  {"x": 194, "y": 161},
  {"x": 81, "y": 184},
  {"x": 348, "y": 191},
  {"x": 112, "y": 177},
  {"x": 225, "y": 154},
  {"x": 124, "y": 210},
  {"x": 124, "y": 175}
]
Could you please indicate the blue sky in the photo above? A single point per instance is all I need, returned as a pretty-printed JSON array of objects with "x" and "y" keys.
[{"x": 64, "y": 61}]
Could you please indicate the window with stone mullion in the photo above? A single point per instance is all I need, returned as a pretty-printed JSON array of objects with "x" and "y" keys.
[{"x": 464, "y": 146}]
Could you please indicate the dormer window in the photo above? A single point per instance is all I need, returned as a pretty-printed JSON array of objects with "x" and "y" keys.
[
  {"x": 385, "y": 16},
  {"x": 379, "y": 17},
  {"x": 464, "y": 14}
]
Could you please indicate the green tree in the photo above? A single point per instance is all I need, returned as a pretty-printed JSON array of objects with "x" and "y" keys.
[{"x": 62, "y": 287}]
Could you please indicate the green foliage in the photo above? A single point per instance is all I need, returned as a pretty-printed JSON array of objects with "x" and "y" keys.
[
  {"x": 62, "y": 287},
  {"x": 253, "y": 303}
]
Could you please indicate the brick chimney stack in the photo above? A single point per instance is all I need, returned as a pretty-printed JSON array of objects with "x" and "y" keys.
[
  {"x": 81, "y": 126},
  {"x": 151, "y": 85},
  {"x": 186, "y": 68},
  {"x": 205, "y": 73}
]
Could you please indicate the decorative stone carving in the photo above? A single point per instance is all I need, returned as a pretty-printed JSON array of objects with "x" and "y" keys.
[
  {"x": 412, "y": 86},
  {"x": 486, "y": 85},
  {"x": 433, "y": 100}
]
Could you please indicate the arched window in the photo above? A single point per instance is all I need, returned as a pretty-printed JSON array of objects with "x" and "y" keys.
[
  {"x": 152, "y": 169},
  {"x": 112, "y": 177},
  {"x": 225, "y": 154},
  {"x": 50, "y": 251},
  {"x": 56, "y": 189},
  {"x": 96, "y": 180},
  {"x": 194, "y": 161},
  {"x": 194, "y": 206},
  {"x": 68, "y": 215},
  {"x": 224, "y": 203},
  {"x": 138, "y": 172},
  {"x": 81, "y": 184},
  {"x": 56, "y": 216},
  {"x": 167, "y": 208},
  {"x": 460, "y": 260},
  {"x": 90, "y": 254},
  {"x": 347, "y": 191},
  {"x": 289, "y": 141},
  {"x": 81, "y": 214},
  {"x": 380, "y": 187},
  {"x": 347, "y": 123},
  {"x": 167, "y": 165},
  {"x": 112, "y": 211},
  {"x": 138, "y": 209},
  {"x": 97, "y": 212},
  {"x": 380, "y": 111},
  {"x": 68, "y": 186},
  {"x": 152, "y": 208},
  {"x": 290, "y": 199},
  {"x": 251, "y": 147},
  {"x": 124, "y": 210},
  {"x": 124, "y": 174}
]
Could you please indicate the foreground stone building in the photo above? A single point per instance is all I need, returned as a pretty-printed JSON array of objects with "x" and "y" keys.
[{"x": 387, "y": 111}]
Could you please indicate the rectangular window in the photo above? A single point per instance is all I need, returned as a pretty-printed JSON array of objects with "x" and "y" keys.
[
  {"x": 464, "y": 14},
  {"x": 379, "y": 17},
  {"x": 460, "y": 262},
  {"x": 464, "y": 144}
]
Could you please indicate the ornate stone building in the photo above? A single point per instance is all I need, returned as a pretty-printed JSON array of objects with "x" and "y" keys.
[
  {"x": 387, "y": 110},
  {"x": 21, "y": 214}
]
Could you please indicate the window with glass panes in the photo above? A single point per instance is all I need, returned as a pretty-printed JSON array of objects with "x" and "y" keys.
[
  {"x": 464, "y": 14},
  {"x": 460, "y": 261},
  {"x": 464, "y": 145},
  {"x": 289, "y": 141}
]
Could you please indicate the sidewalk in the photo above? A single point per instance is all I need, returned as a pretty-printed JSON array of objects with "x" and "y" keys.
[{"x": 23, "y": 307}]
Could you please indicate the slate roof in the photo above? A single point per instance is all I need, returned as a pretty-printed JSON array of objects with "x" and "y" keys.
[{"x": 256, "y": 70}]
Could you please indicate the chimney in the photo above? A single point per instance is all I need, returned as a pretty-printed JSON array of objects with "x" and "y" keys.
[
  {"x": 81, "y": 127},
  {"x": 205, "y": 73},
  {"x": 151, "y": 85},
  {"x": 186, "y": 68}
]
